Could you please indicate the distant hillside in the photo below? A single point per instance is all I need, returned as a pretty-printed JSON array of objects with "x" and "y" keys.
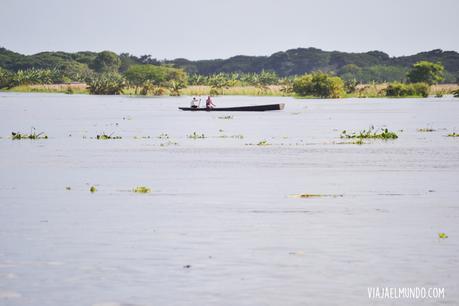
[{"x": 370, "y": 66}]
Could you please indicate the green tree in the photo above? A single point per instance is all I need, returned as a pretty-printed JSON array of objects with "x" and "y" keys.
[
  {"x": 75, "y": 71},
  {"x": 158, "y": 75},
  {"x": 106, "y": 61},
  {"x": 426, "y": 72}
]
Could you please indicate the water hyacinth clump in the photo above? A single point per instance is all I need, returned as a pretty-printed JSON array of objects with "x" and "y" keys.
[
  {"x": 141, "y": 189},
  {"x": 425, "y": 130},
  {"x": 196, "y": 136},
  {"x": 384, "y": 134},
  {"x": 454, "y": 134},
  {"x": 263, "y": 143},
  {"x": 32, "y": 135},
  {"x": 104, "y": 136},
  {"x": 442, "y": 236}
]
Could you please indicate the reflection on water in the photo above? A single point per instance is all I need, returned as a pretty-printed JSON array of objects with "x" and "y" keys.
[{"x": 220, "y": 226}]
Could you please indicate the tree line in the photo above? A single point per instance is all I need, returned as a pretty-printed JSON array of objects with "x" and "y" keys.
[
  {"x": 109, "y": 73},
  {"x": 373, "y": 66}
]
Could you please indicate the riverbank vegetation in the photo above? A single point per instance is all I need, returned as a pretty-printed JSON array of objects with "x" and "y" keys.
[{"x": 107, "y": 73}]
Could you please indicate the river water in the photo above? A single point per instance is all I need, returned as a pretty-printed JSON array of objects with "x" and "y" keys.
[{"x": 221, "y": 226}]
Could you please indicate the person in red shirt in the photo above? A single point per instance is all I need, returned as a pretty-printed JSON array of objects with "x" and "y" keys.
[{"x": 209, "y": 103}]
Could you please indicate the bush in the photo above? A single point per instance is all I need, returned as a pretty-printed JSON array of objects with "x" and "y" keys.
[
  {"x": 106, "y": 84},
  {"x": 320, "y": 85},
  {"x": 37, "y": 76},
  {"x": 6, "y": 78},
  {"x": 397, "y": 89}
]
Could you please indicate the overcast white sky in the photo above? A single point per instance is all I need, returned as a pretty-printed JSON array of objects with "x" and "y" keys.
[{"x": 204, "y": 29}]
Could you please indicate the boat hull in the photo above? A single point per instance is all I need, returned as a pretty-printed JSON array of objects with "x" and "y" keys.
[{"x": 254, "y": 108}]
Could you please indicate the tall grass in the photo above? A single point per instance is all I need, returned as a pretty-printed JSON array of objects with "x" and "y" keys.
[{"x": 362, "y": 90}]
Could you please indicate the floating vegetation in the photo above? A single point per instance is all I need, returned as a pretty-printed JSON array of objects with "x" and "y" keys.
[
  {"x": 104, "y": 136},
  {"x": 32, "y": 135},
  {"x": 231, "y": 136},
  {"x": 442, "y": 236},
  {"x": 196, "y": 136},
  {"x": 92, "y": 189},
  {"x": 426, "y": 130},
  {"x": 141, "y": 189},
  {"x": 169, "y": 143},
  {"x": 142, "y": 137},
  {"x": 226, "y": 117},
  {"x": 357, "y": 142},
  {"x": 163, "y": 136},
  {"x": 370, "y": 134},
  {"x": 454, "y": 134},
  {"x": 263, "y": 143},
  {"x": 312, "y": 195}
]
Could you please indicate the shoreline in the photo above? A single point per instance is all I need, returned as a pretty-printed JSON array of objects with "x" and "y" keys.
[{"x": 362, "y": 90}]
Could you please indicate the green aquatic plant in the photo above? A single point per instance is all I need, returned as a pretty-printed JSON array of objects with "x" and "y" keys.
[
  {"x": 454, "y": 134},
  {"x": 141, "y": 189},
  {"x": 196, "y": 136},
  {"x": 104, "y": 136},
  {"x": 384, "y": 134},
  {"x": 442, "y": 236},
  {"x": 263, "y": 143},
  {"x": 425, "y": 130},
  {"x": 92, "y": 189},
  {"x": 32, "y": 135}
]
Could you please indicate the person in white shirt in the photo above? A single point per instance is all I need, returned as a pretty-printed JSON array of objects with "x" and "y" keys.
[{"x": 195, "y": 102}]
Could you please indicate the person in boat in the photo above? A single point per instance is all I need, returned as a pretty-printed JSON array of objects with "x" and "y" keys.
[
  {"x": 195, "y": 102},
  {"x": 209, "y": 103}
]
